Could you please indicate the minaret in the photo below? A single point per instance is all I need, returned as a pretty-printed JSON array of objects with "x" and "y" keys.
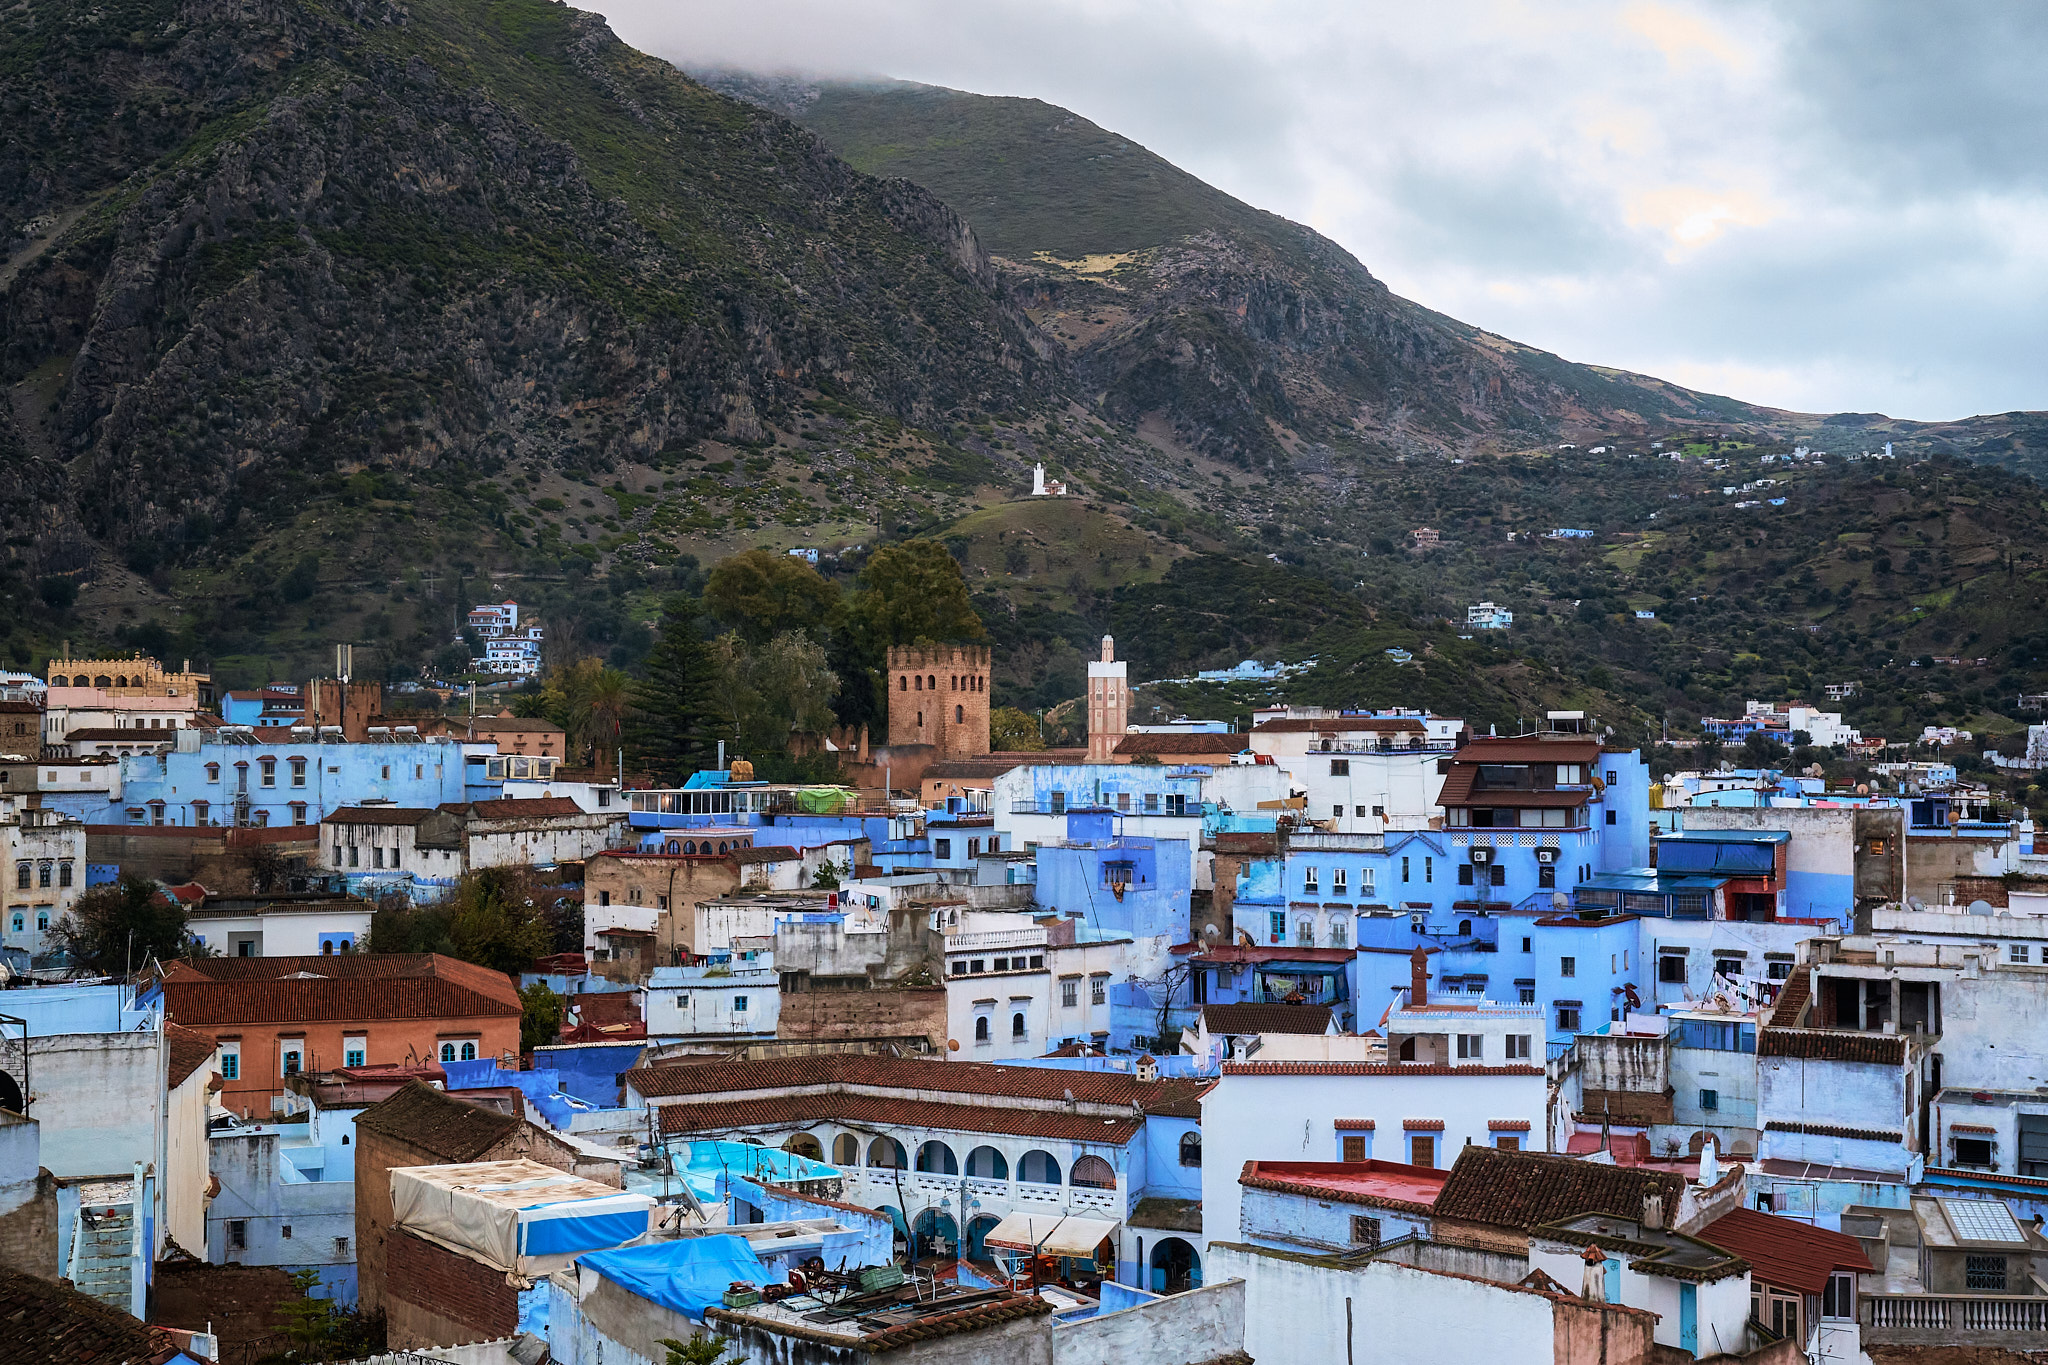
[
  {"x": 1038, "y": 480},
  {"x": 1109, "y": 704}
]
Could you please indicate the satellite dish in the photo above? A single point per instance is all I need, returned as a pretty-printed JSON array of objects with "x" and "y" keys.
[
  {"x": 1211, "y": 933},
  {"x": 1558, "y": 901},
  {"x": 1980, "y": 907},
  {"x": 1916, "y": 903}
]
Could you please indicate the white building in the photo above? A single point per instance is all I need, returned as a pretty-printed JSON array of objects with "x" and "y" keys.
[
  {"x": 509, "y": 647},
  {"x": 737, "y": 998},
  {"x": 1487, "y": 616},
  {"x": 42, "y": 874}
]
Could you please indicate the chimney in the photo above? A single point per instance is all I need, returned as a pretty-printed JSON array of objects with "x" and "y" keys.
[
  {"x": 1418, "y": 978},
  {"x": 1653, "y": 1211},
  {"x": 1594, "y": 1287}
]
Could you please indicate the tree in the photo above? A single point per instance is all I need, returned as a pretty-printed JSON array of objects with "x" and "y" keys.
[
  {"x": 540, "y": 1016},
  {"x": 762, "y": 594},
  {"x": 915, "y": 592},
  {"x": 497, "y": 919},
  {"x": 700, "y": 1349},
  {"x": 1011, "y": 730},
  {"x": 115, "y": 929},
  {"x": 671, "y": 718},
  {"x": 603, "y": 704},
  {"x": 763, "y": 694},
  {"x": 1761, "y": 751}
]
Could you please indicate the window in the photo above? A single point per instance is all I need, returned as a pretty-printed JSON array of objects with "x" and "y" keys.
[
  {"x": 981, "y": 1029},
  {"x": 299, "y": 818},
  {"x": 1984, "y": 1273},
  {"x": 1276, "y": 925},
  {"x": 1422, "y": 1149},
  {"x": 1671, "y": 968},
  {"x": 44, "y": 873},
  {"x": 1098, "y": 990},
  {"x": 42, "y": 918},
  {"x": 1190, "y": 1149},
  {"x": 1567, "y": 966},
  {"x": 1428, "y": 869},
  {"x": 942, "y": 848},
  {"x": 1339, "y": 935},
  {"x": 1778, "y": 971},
  {"x": 1710, "y": 1099},
  {"x": 1404, "y": 871},
  {"x": 351, "y": 855},
  {"x": 1309, "y": 880},
  {"x": 1497, "y": 874},
  {"x": 238, "y": 1234},
  {"x": 1355, "y": 1147},
  {"x": 1017, "y": 1025},
  {"x": 1340, "y": 880},
  {"x": 469, "y": 1050},
  {"x": 354, "y": 1051},
  {"x": 1526, "y": 944},
  {"x": 1470, "y": 1046},
  {"x": 976, "y": 966},
  {"x": 267, "y": 770},
  {"x": 376, "y": 855},
  {"x": 1727, "y": 966},
  {"x": 1518, "y": 1047},
  {"x": 1305, "y": 934},
  {"x": 1546, "y": 877},
  {"x": 213, "y": 772},
  {"x": 1525, "y": 992},
  {"x": 447, "y": 1052},
  {"x": 974, "y": 848},
  {"x": 1340, "y": 767},
  {"x": 2019, "y": 952},
  {"x": 292, "y": 1060},
  {"x": 298, "y": 772},
  {"x": 1464, "y": 874},
  {"x": 1365, "y": 1230},
  {"x": 1838, "y": 1296},
  {"x": 1567, "y": 1018},
  {"x": 284, "y": 1231},
  {"x": 1070, "y": 994},
  {"x": 1610, "y": 817},
  {"x": 1379, "y": 812},
  {"x": 230, "y": 1061},
  {"x": 341, "y": 1243},
  {"x": 18, "y": 921},
  {"x": 1973, "y": 1151}
]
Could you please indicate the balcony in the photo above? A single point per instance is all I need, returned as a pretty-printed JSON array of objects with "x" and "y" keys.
[
  {"x": 996, "y": 938},
  {"x": 1952, "y": 1319}
]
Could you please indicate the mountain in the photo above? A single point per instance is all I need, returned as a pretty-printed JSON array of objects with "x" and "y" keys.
[{"x": 1221, "y": 328}]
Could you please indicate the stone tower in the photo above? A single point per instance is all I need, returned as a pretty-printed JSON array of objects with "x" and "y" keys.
[
  {"x": 1109, "y": 704},
  {"x": 938, "y": 695}
]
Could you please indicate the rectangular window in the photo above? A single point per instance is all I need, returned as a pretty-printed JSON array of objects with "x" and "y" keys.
[
  {"x": 387, "y": 772},
  {"x": 1340, "y": 767},
  {"x": 1339, "y": 881},
  {"x": 1470, "y": 1046},
  {"x": 1671, "y": 968},
  {"x": 1710, "y": 1099},
  {"x": 1098, "y": 990},
  {"x": 230, "y": 1061},
  {"x": 1838, "y": 1296},
  {"x": 1518, "y": 1047},
  {"x": 1567, "y": 1018},
  {"x": 1973, "y": 1151},
  {"x": 1337, "y": 811},
  {"x": 1365, "y": 1230},
  {"x": 1404, "y": 871},
  {"x": 739, "y": 1004},
  {"x": 974, "y": 848},
  {"x": 1123, "y": 801},
  {"x": 355, "y": 1052},
  {"x": 1151, "y": 803},
  {"x": 1464, "y": 874},
  {"x": 298, "y": 772},
  {"x": 2019, "y": 952},
  {"x": 1984, "y": 1274},
  {"x": 376, "y": 855},
  {"x": 1276, "y": 925},
  {"x": 1546, "y": 876},
  {"x": 1308, "y": 880},
  {"x": 1525, "y": 992},
  {"x": 238, "y": 1234},
  {"x": 1497, "y": 874},
  {"x": 1428, "y": 869},
  {"x": 1354, "y": 1147},
  {"x": 1365, "y": 881},
  {"x": 268, "y": 772},
  {"x": 1610, "y": 817},
  {"x": 1379, "y": 812},
  {"x": 1567, "y": 966},
  {"x": 1422, "y": 1150},
  {"x": 292, "y": 1060},
  {"x": 1070, "y": 994},
  {"x": 942, "y": 848}
]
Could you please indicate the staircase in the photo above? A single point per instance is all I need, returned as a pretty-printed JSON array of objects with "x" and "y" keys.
[{"x": 103, "y": 1243}]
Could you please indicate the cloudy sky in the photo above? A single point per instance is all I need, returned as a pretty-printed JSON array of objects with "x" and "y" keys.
[{"x": 1830, "y": 205}]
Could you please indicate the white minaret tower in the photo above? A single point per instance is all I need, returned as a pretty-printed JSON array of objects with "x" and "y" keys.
[
  {"x": 1038, "y": 480},
  {"x": 1109, "y": 704}
]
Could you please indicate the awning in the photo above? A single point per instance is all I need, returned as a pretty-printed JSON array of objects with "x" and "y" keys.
[{"x": 1051, "y": 1234}]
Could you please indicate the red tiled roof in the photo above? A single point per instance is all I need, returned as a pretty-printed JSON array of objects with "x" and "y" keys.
[
  {"x": 513, "y": 809},
  {"x": 1255, "y": 1018},
  {"x": 104, "y": 733},
  {"x": 1508, "y": 749},
  {"x": 1818, "y": 1045},
  {"x": 1829, "y": 1130},
  {"x": 1523, "y": 1189},
  {"x": 433, "y": 1121},
  {"x": 1227, "y": 745},
  {"x": 1178, "y": 1098},
  {"x": 760, "y": 853},
  {"x": 515, "y": 725},
  {"x": 187, "y": 893},
  {"x": 1507, "y": 1125},
  {"x": 43, "y": 1321},
  {"x": 1355, "y": 1125},
  {"x": 801, "y": 1111},
  {"x": 378, "y": 815},
  {"x": 1372, "y": 1069},
  {"x": 209, "y": 992},
  {"x": 1458, "y": 790},
  {"x": 1422, "y": 1125},
  {"x": 1376, "y": 1184},
  {"x": 190, "y": 1049},
  {"x": 1785, "y": 1253}
]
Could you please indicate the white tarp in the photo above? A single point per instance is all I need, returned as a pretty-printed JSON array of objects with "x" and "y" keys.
[
  {"x": 517, "y": 1216},
  {"x": 1050, "y": 1234}
]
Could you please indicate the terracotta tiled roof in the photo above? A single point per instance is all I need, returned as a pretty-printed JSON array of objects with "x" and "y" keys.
[
  {"x": 212, "y": 991},
  {"x": 1372, "y": 1069},
  {"x": 190, "y": 1050},
  {"x": 1565, "y": 749},
  {"x": 606, "y": 1007},
  {"x": 1828, "y": 1130},
  {"x": 99, "y": 733},
  {"x": 43, "y": 1321},
  {"x": 801, "y": 1111},
  {"x": 514, "y": 725},
  {"x": 1240, "y": 1019},
  {"x": 977, "y": 1317},
  {"x": 1224, "y": 745},
  {"x": 1343, "y": 1182},
  {"x": 1785, "y": 1253},
  {"x": 431, "y": 1121},
  {"x": 512, "y": 809},
  {"x": 378, "y": 815},
  {"x": 1818, "y": 1045},
  {"x": 1459, "y": 791},
  {"x": 770, "y": 853},
  {"x": 1522, "y": 1189},
  {"x": 1247, "y": 843},
  {"x": 729, "y": 1080},
  {"x": 1162, "y": 1211}
]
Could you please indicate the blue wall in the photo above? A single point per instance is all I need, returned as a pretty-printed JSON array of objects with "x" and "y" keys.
[{"x": 336, "y": 775}]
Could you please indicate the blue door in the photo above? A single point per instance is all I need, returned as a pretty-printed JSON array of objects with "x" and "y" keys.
[
  {"x": 1689, "y": 1317},
  {"x": 1613, "y": 1268}
]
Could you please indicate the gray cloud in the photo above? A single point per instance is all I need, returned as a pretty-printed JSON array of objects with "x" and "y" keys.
[{"x": 1838, "y": 205}]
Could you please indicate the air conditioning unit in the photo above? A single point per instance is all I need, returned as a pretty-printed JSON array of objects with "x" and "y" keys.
[
  {"x": 1546, "y": 855},
  {"x": 1482, "y": 855}
]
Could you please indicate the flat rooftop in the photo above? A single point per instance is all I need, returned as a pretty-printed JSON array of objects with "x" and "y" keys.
[{"x": 1355, "y": 1182}]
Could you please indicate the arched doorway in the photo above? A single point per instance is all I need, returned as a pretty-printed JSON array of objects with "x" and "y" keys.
[
  {"x": 936, "y": 1158},
  {"x": 887, "y": 1153},
  {"x": 803, "y": 1144},
  {"x": 986, "y": 1163},
  {"x": 1175, "y": 1266},
  {"x": 978, "y": 1229},
  {"x": 1038, "y": 1168},
  {"x": 937, "y": 1235},
  {"x": 846, "y": 1150},
  {"x": 10, "y": 1093}
]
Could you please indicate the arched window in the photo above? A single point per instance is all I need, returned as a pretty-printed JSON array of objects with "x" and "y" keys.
[
  {"x": 936, "y": 1158},
  {"x": 690, "y": 846},
  {"x": 1017, "y": 1025},
  {"x": 447, "y": 1052},
  {"x": 1464, "y": 926},
  {"x": 931, "y": 682},
  {"x": 59, "y": 680},
  {"x": 469, "y": 1052},
  {"x": 1038, "y": 1168},
  {"x": 886, "y": 1153},
  {"x": 846, "y": 1150},
  {"x": 980, "y": 1024},
  {"x": 902, "y": 682},
  {"x": 920, "y": 684},
  {"x": 103, "y": 681},
  {"x": 1190, "y": 1149},
  {"x": 1092, "y": 1172},
  {"x": 986, "y": 1163},
  {"x": 17, "y": 921},
  {"x": 120, "y": 681},
  {"x": 959, "y": 714}
]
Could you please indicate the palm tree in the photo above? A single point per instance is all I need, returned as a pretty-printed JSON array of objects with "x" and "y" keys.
[{"x": 605, "y": 703}]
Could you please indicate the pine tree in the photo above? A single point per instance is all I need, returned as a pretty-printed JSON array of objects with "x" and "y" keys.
[{"x": 673, "y": 728}]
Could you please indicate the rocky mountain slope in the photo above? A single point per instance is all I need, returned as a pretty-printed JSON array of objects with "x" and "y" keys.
[{"x": 1240, "y": 334}]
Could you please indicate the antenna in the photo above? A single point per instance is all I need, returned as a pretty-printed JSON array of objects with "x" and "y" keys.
[{"x": 344, "y": 661}]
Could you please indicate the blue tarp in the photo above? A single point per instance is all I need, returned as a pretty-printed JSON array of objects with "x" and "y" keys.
[{"x": 688, "y": 1275}]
